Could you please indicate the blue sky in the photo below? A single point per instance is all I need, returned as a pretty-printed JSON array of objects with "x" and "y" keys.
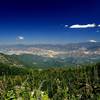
[{"x": 43, "y": 21}]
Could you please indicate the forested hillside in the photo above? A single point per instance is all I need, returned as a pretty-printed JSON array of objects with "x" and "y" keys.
[
  {"x": 78, "y": 83},
  {"x": 10, "y": 60}
]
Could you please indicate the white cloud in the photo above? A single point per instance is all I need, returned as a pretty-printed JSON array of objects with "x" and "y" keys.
[
  {"x": 99, "y": 25},
  {"x": 83, "y": 26},
  {"x": 20, "y": 38},
  {"x": 66, "y": 25},
  {"x": 92, "y": 41}
]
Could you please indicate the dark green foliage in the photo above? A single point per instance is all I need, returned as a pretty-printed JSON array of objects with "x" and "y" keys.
[
  {"x": 12, "y": 70},
  {"x": 77, "y": 83}
]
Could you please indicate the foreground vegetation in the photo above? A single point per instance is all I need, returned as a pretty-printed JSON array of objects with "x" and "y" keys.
[{"x": 78, "y": 83}]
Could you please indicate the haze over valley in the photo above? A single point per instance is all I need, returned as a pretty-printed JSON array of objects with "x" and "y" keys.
[{"x": 58, "y": 55}]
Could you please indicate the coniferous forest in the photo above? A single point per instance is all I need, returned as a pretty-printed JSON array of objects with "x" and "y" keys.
[{"x": 72, "y": 83}]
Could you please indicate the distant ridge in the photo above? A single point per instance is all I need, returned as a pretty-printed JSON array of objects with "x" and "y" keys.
[{"x": 10, "y": 60}]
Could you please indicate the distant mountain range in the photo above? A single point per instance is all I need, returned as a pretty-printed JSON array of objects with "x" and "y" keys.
[
  {"x": 57, "y": 47},
  {"x": 47, "y": 55}
]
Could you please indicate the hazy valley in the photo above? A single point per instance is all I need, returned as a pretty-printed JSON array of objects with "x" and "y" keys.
[{"x": 51, "y": 55}]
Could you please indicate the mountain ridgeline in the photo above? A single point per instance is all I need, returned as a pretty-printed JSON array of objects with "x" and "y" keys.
[{"x": 47, "y": 55}]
